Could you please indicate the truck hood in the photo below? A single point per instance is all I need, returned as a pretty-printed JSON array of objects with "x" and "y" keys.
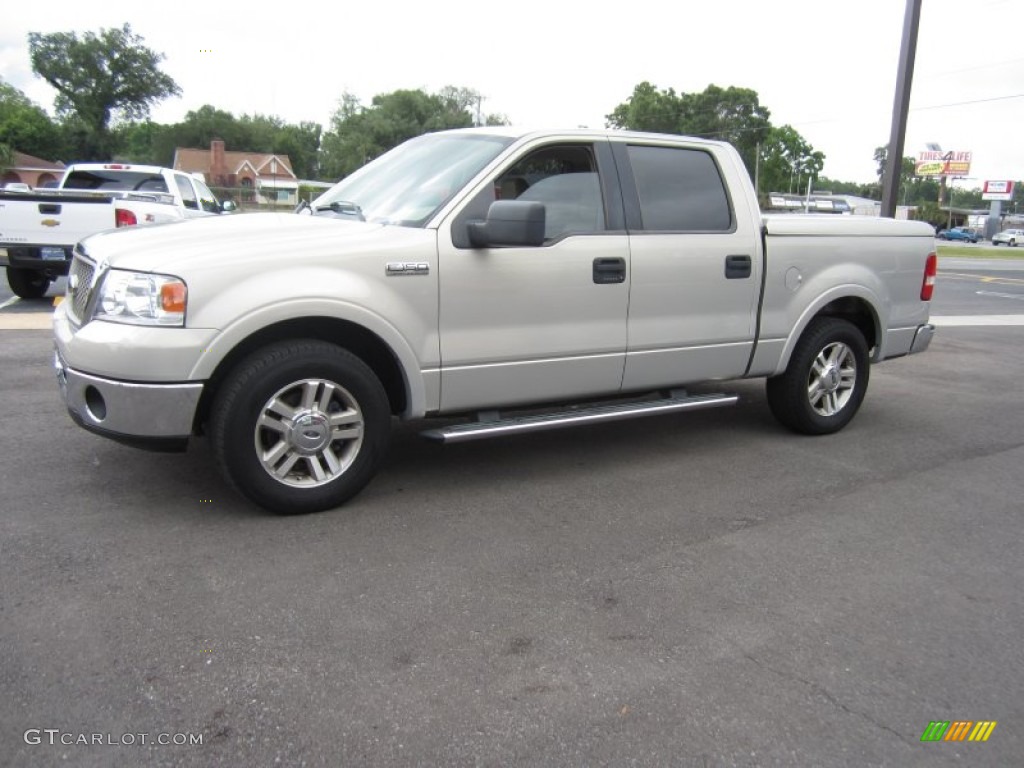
[{"x": 242, "y": 241}]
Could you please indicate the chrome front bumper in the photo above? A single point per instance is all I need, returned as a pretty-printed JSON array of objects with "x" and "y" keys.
[{"x": 148, "y": 415}]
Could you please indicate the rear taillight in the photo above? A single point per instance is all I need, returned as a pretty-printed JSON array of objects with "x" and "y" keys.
[
  {"x": 124, "y": 218},
  {"x": 931, "y": 266}
]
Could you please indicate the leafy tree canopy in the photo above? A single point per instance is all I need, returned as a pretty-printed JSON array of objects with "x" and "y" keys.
[
  {"x": 727, "y": 114},
  {"x": 25, "y": 127},
  {"x": 153, "y": 143},
  {"x": 360, "y": 133},
  {"x": 100, "y": 78},
  {"x": 787, "y": 161}
]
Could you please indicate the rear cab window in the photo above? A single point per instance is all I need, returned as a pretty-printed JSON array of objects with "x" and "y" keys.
[
  {"x": 680, "y": 189},
  {"x": 115, "y": 181}
]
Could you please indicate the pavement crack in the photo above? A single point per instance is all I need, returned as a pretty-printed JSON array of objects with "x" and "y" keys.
[{"x": 824, "y": 692}]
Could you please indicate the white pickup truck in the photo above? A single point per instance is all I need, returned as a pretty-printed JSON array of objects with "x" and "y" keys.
[
  {"x": 38, "y": 230},
  {"x": 586, "y": 276}
]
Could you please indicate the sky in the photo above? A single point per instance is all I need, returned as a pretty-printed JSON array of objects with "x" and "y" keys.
[{"x": 827, "y": 69}]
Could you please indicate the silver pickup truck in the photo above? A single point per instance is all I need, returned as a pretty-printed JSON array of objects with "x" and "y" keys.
[{"x": 525, "y": 280}]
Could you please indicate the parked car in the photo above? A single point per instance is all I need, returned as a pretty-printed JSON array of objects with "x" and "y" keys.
[
  {"x": 963, "y": 234},
  {"x": 1009, "y": 237}
]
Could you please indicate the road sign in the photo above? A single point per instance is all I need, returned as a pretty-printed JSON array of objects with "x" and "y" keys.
[{"x": 997, "y": 190}]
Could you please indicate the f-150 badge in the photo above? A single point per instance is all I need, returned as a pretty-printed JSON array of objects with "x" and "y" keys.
[{"x": 408, "y": 268}]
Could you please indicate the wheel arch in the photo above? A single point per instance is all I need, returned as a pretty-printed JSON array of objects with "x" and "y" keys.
[
  {"x": 360, "y": 341},
  {"x": 854, "y": 304}
]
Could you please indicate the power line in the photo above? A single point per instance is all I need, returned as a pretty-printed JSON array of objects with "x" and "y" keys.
[
  {"x": 990, "y": 65},
  {"x": 973, "y": 101}
]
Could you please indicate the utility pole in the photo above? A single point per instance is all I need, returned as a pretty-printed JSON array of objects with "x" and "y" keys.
[
  {"x": 900, "y": 107},
  {"x": 757, "y": 171}
]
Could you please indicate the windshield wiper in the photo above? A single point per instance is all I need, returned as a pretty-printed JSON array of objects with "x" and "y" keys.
[{"x": 342, "y": 208}]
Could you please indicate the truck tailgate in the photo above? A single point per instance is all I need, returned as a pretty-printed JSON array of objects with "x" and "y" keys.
[{"x": 53, "y": 219}]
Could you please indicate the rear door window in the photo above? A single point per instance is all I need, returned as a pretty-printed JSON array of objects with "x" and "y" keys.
[{"x": 680, "y": 190}]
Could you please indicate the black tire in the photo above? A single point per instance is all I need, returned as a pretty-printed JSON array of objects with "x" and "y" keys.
[
  {"x": 824, "y": 385},
  {"x": 27, "y": 283},
  {"x": 311, "y": 412}
]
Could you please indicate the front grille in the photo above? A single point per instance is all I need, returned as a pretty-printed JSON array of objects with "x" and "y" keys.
[{"x": 80, "y": 286}]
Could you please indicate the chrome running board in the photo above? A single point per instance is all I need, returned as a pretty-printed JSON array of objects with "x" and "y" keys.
[{"x": 491, "y": 425}]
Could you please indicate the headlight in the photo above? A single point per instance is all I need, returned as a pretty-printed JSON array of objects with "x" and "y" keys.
[{"x": 140, "y": 298}]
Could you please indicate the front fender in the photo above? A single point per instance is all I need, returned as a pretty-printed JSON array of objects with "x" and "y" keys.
[
  {"x": 403, "y": 316},
  {"x": 419, "y": 399}
]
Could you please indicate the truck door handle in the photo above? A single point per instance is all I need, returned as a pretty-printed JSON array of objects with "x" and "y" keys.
[
  {"x": 737, "y": 267},
  {"x": 609, "y": 271}
]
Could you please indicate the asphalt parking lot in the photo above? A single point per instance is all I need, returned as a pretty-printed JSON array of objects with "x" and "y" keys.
[{"x": 701, "y": 589}]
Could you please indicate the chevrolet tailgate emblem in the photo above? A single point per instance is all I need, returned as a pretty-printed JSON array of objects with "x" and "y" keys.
[{"x": 50, "y": 223}]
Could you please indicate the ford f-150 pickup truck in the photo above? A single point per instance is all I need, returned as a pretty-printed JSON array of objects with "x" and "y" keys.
[
  {"x": 38, "y": 230},
  {"x": 579, "y": 276}
]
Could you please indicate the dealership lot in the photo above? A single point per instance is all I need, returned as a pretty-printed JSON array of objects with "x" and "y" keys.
[{"x": 700, "y": 589}]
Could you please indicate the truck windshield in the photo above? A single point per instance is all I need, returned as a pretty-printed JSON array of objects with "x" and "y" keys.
[{"x": 408, "y": 184}]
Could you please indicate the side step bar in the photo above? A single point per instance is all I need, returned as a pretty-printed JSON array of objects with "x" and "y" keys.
[{"x": 490, "y": 425}]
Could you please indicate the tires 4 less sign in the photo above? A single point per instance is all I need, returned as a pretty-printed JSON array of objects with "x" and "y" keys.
[{"x": 943, "y": 164}]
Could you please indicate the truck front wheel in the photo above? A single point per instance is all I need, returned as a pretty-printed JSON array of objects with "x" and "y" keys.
[
  {"x": 27, "y": 283},
  {"x": 825, "y": 382},
  {"x": 300, "y": 426}
]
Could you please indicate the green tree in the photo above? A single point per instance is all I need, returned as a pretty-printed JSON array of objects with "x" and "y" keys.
[
  {"x": 144, "y": 142},
  {"x": 358, "y": 134},
  {"x": 787, "y": 161},
  {"x": 302, "y": 145},
  {"x": 203, "y": 125},
  {"x": 147, "y": 142},
  {"x": 100, "y": 78},
  {"x": 648, "y": 109},
  {"x": 25, "y": 127},
  {"x": 837, "y": 187},
  {"x": 728, "y": 114},
  {"x": 1016, "y": 205}
]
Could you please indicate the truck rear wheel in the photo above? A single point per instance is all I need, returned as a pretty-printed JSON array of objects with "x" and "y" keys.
[
  {"x": 27, "y": 283},
  {"x": 825, "y": 382},
  {"x": 300, "y": 426}
]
